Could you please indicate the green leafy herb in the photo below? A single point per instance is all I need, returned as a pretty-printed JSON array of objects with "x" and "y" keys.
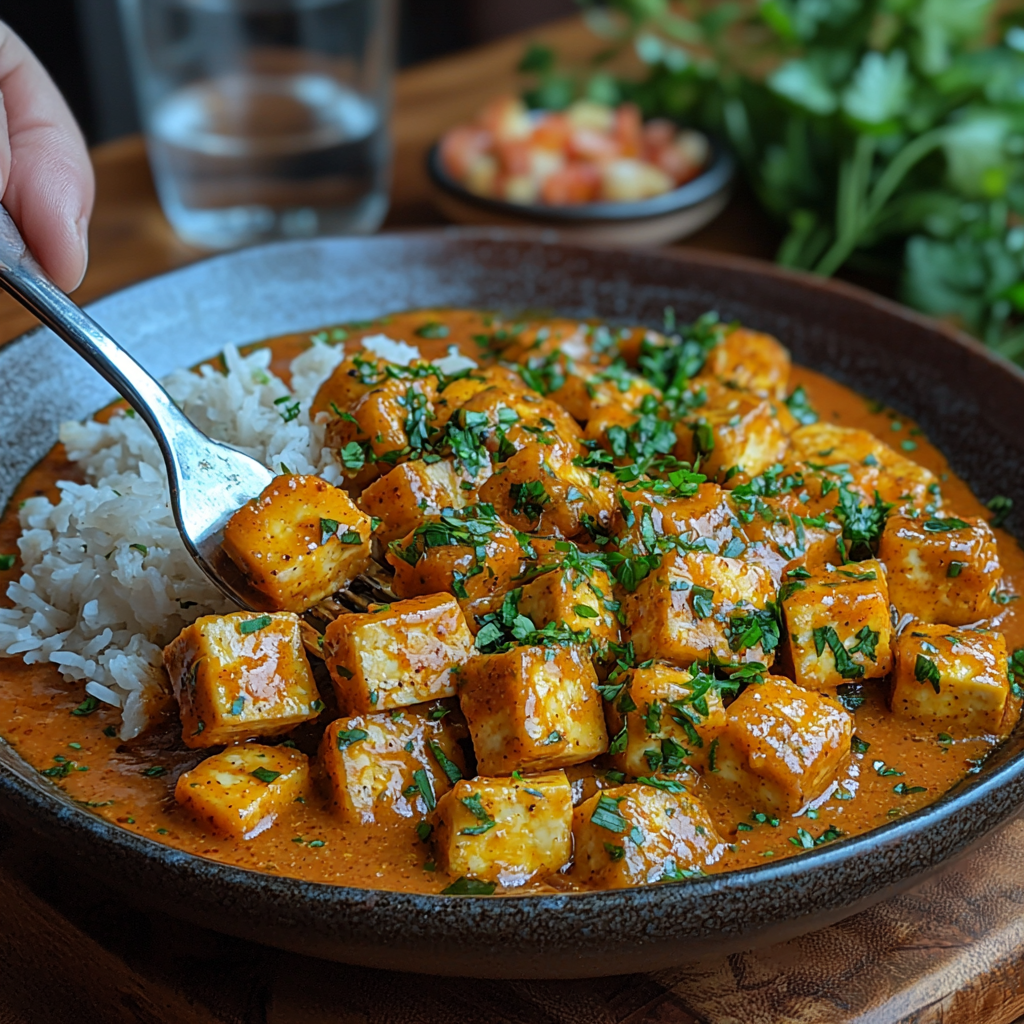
[
  {"x": 606, "y": 814},
  {"x": 1000, "y": 507},
  {"x": 426, "y": 789},
  {"x": 800, "y": 407},
  {"x": 264, "y": 774},
  {"x": 432, "y": 330},
  {"x": 248, "y": 626},
  {"x": 448, "y": 766},
  {"x": 346, "y": 737},
  {"x": 469, "y": 887},
  {"x": 7, "y": 562},
  {"x": 936, "y": 525},
  {"x": 87, "y": 707},
  {"x": 475, "y": 805},
  {"x": 926, "y": 671},
  {"x": 845, "y": 665}
]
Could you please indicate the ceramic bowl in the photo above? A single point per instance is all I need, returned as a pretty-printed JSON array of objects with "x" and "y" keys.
[
  {"x": 970, "y": 403},
  {"x": 656, "y": 221}
]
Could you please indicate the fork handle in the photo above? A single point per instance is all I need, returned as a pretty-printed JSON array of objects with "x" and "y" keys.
[{"x": 26, "y": 280}]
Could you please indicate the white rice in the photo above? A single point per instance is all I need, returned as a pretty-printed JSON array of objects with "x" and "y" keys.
[{"x": 107, "y": 582}]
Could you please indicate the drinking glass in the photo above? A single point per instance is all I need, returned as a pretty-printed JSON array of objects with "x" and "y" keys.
[{"x": 265, "y": 118}]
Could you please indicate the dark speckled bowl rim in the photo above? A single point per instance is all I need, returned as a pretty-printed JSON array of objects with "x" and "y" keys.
[
  {"x": 570, "y": 934},
  {"x": 715, "y": 178}
]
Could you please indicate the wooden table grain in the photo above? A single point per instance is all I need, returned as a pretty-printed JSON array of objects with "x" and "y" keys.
[{"x": 72, "y": 950}]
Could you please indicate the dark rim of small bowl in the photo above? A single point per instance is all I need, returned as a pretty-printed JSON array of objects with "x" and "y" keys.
[{"x": 716, "y": 177}]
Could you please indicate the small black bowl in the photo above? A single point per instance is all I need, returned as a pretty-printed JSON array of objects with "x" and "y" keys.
[{"x": 655, "y": 221}]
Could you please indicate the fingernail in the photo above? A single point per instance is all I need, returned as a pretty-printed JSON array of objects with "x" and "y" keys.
[{"x": 83, "y": 239}]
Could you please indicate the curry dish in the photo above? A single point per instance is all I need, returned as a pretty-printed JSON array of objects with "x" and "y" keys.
[{"x": 593, "y": 606}]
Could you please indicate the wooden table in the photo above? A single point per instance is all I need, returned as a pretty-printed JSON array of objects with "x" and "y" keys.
[{"x": 70, "y": 950}]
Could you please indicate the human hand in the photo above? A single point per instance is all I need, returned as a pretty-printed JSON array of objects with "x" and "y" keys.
[{"x": 46, "y": 179}]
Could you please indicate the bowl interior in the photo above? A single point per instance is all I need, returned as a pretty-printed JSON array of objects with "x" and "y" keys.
[
  {"x": 969, "y": 403},
  {"x": 714, "y": 179}
]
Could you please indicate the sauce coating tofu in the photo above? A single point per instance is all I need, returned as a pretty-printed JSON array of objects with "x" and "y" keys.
[
  {"x": 403, "y": 498},
  {"x": 781, "y": 537},
  {"x": 388, "y": 424},
  {"x": 707, "y": 516},
  {"x": 381, "y": 768},
  {"x": 941, "y": 570},
  {"x": 299, "y": 542},
  {"x": 867, "y": 464},
  {"x": 539, "y": 490},
  {"x": 400, "y": 654},
  {"x": 838, "y": 625},
  {"x": 242, "y": 790},
  {"x": 240, "y": 675},
  {"x": 696, "y": 605},
  {"x": 505, "y": 830},
  {"x": 586, "y": 390},
  {"x": 781, "y": 745},
  {"x": 639, "y": 835},
  {"x": 954, "y": 676},
  {"x": 517, "y": 418},
  {"x": 737, "y": 437},
  {"x": 750, "y": 360},
  {"x": 532, "y": 709},
  {"x": 578, "y": 599},
  {"x": 469, "y": 553},
  {"x": 661, "y": 720}
]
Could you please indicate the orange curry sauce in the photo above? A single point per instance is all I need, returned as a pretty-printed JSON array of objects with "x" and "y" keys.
[{"x": 133, "y": 783}]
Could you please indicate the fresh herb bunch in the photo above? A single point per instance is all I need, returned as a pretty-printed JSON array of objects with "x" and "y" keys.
[{"x": 887, "y": 134}]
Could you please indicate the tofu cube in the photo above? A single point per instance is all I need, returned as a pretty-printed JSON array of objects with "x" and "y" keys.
[
  {"x": 698, "y": 606},
  {"x": 781, "y": 745},
  {"x": 865, "y": 463},
  {"x": 242, "y": 790},
  {"x": 506, "y": 830},
  {"x": 386, "y": 767},
  {"x": 955, "y": 676},
  {"x": 585, "y": 391},
  {"x": 403, "y": 498},
  {"x": 399, "y": 654},
  {"x": 388, "y": 424},
  {"x": 735, "y": 437},
  {"x": 241, "y": 675},
  {"x": 750, "y": 360},
  {"x": 299, "y": 542},
  {"x": 639, "y": 835},
  {"x": 538, "y": 490},
  {"x": 470, "y": 553},
  {"x": 660, "y": 719},
  {"x": 838, "y": 625},
  {"x": 532, "y": 709},
  {"x": 782, "y": 537},
  {"x": 582, "y": 600},
  {"x": 707, "y": 519},
  {"x": 941, "y": 570},
  {"x": 516, "y": 417}
]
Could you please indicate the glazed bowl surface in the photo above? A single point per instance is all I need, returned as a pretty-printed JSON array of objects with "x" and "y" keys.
[{"x": 970, "y": 404}]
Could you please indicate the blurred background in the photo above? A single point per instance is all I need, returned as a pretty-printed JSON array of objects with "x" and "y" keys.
[{"x": 82, "y": 45}]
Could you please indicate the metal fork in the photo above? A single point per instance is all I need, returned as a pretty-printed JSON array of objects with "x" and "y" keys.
[{"x": 208, "y": 481}]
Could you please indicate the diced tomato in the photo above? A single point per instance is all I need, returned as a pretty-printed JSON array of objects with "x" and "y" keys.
[
  {"x": 684, "y": 159},
  {"x": 575, "y": 183},
  {"x": 589, "y": 144},
  {"x": 552, "y": 133},
  {"x": 658, "y": 134},
  {"x": 513, "y": 156},
  {"x": 506, "y": 118},
  {"x": 461, "y": 146},
  {"x": 628, "y": 129}
]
